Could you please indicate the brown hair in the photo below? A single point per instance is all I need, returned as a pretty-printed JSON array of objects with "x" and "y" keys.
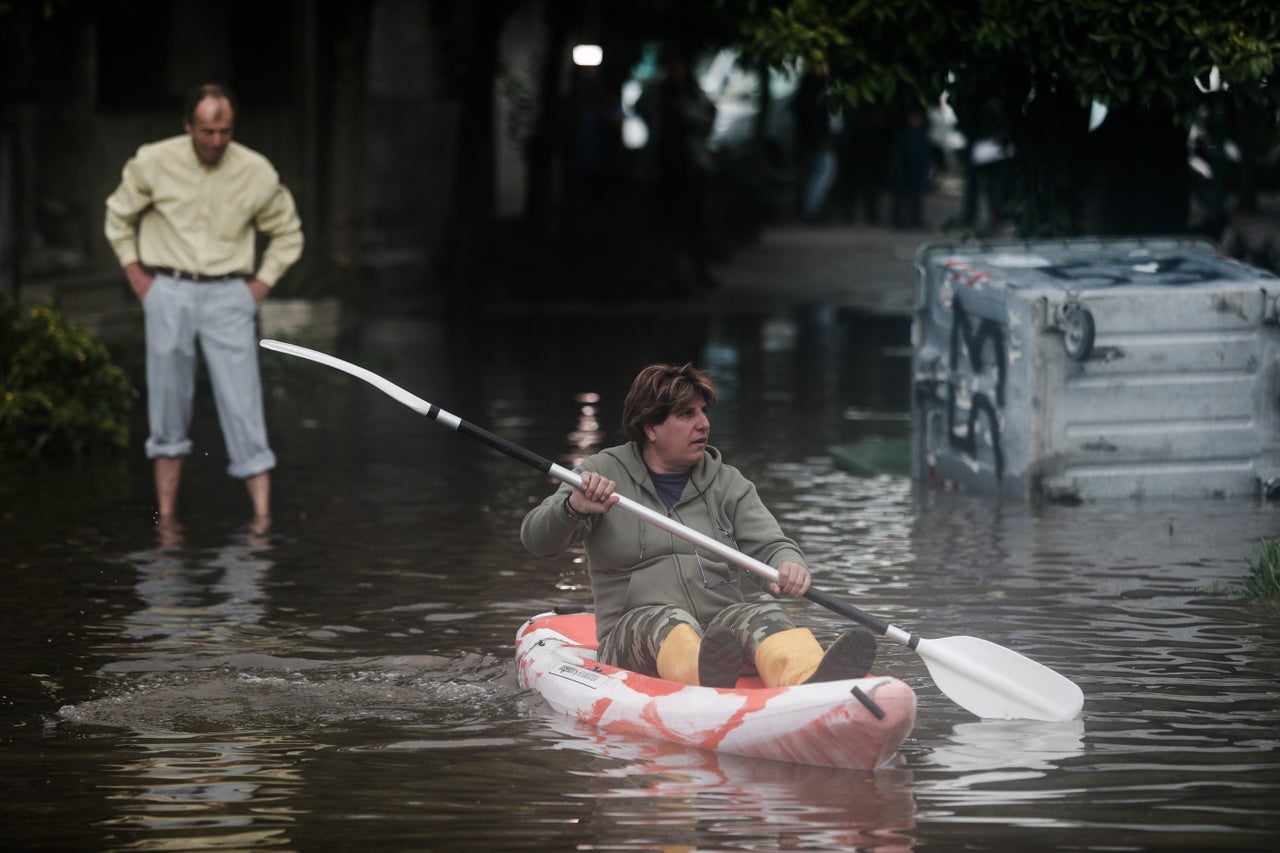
[{"x": 657, "y": 390}]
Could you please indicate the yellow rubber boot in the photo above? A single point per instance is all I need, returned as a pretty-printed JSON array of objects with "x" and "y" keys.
[
  {"x": 788, "y": 657},
  {"x": 678, "y": 655}
]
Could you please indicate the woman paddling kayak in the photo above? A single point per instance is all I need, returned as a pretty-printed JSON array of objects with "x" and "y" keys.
[{"x": 663, "y": 608}]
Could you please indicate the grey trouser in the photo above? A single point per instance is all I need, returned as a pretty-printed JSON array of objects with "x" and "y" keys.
[
  {"x": 634, "y": 642},
  {"x": 221, "y": 315}
]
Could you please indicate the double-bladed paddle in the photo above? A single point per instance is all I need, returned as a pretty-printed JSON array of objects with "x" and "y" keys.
[{"x": 984, "y": 678}]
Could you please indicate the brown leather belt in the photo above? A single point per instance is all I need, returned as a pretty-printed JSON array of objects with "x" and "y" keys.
[{"x": 197, "y": 277}]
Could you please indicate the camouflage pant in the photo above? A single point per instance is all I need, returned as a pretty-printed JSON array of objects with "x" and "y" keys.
[{"x": 633, "y": 643}]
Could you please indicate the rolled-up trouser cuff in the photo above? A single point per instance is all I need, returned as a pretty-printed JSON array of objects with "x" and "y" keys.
[
  {"x": 258, "y": 464},
  {"x": 167, "y": 449}
]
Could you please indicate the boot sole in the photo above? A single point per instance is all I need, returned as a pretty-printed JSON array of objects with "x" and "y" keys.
[
  {"x": 851, "y": 656},
  {"x": 720, "y": 659}
]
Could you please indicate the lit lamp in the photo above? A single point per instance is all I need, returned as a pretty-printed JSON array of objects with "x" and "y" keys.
[{"x": 587, "y": 54}]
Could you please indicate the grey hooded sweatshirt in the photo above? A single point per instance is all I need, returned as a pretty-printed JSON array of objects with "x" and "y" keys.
[{"x": 633, "y": 563}]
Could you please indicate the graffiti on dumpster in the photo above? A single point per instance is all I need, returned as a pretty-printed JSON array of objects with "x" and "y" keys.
[{"x": 973, "y": 339}]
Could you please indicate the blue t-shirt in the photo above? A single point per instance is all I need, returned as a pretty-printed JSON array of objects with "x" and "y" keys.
[{"x": 669, "y": 486}]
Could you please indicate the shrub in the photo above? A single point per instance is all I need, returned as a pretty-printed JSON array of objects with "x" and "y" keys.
[
  {"x": 1264, "y": 565},
  {"x": 60, "y": 392}
]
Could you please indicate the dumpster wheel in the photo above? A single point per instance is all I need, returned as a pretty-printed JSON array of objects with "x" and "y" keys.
[{"x": 1077, "y": 331}]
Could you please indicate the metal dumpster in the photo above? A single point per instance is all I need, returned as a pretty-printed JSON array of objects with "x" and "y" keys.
[{"x": 1092, "y": 369}]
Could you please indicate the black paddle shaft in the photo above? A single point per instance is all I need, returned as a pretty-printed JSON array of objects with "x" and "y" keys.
[
  {"x": 844, "y": 608},
  {"x": 498, "y": 443}
]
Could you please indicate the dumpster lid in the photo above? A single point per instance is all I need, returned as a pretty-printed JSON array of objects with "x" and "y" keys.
[{"x": 1086, "y": 264}]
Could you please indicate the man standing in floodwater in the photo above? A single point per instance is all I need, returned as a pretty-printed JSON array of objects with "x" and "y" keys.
[{"x": 183, "y": 224}]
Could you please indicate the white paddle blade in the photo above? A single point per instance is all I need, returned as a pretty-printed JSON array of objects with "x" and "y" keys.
[
  {"x": 387, "y": 387},
  {"x": 996, "y": 683}
]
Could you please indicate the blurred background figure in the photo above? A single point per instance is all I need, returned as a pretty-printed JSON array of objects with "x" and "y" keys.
[
  {"x": 911, "y": 163},
  {"x": 990, "y": 157},
  {"x": 862, "y": 150},
  {"x": 680, "y": 117},
  {"x": 816, "y": 129},
  {"x": 592, "y": 136}
]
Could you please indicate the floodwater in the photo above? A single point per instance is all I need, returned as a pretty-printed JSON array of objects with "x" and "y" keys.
[{"x": 344, "y": 680}]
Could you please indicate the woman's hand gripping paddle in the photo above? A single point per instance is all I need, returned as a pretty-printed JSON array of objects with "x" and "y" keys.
[{"x": 979, "y": 676}]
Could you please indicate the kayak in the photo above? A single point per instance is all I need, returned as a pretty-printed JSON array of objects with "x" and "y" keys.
[{"x": 857, "y": 724}]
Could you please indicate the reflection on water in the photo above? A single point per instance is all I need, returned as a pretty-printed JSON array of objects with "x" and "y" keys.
[
  {"x": 202, "y": 793},
  {"x": 185, "y": 791},
  {"x": 588, "y": 437},
  {"x": 994, "y": 746},
  {"x": 710, "y": 800},
  {"x": 212, "y": 765},
  {"x": 1000, "y": 763},
  {"x": 200, "y": 599},
  {"x": 344, "y": 679}
]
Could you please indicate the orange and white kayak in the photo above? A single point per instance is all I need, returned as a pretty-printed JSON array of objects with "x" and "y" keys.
[{"x": 855, "y": 724}]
